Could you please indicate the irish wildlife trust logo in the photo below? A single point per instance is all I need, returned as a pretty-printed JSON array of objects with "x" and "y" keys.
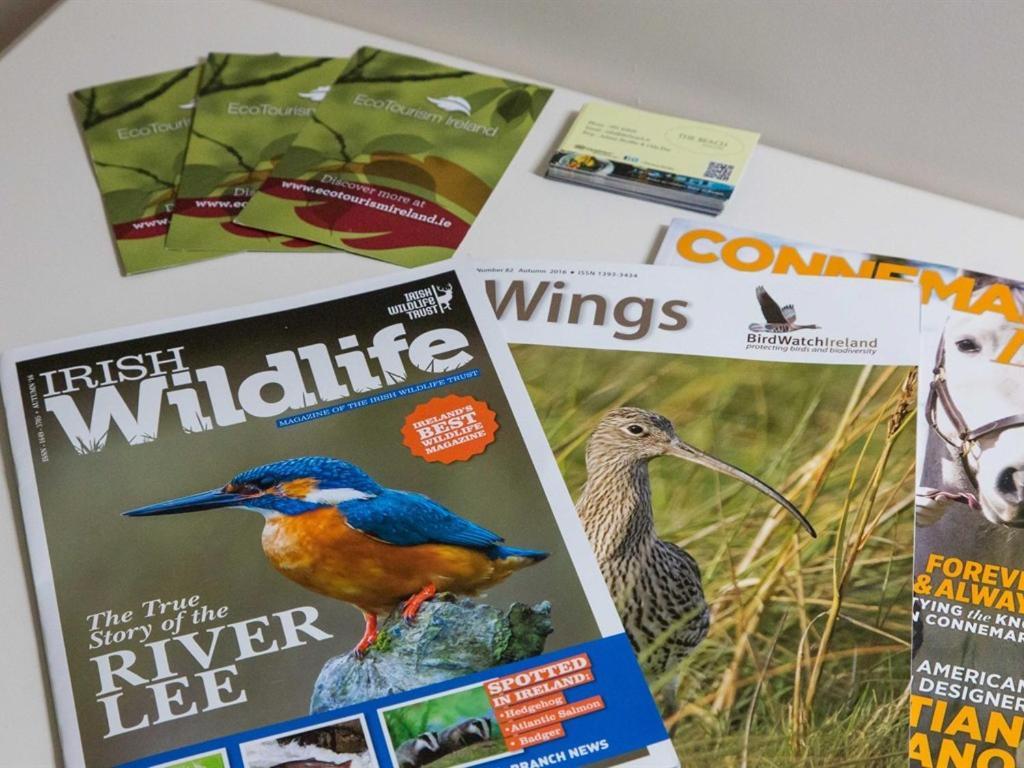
[
  {"x": 777, "y": 319},
  {"x": 443, "y": 296},
  {"x": 452, "y": 104},
  {"x": 423, "y": 302}
]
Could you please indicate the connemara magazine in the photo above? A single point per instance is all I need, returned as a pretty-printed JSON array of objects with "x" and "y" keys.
[
  {"x": 398, "y": 159},
  {"x": 248, "y": 110},
  {"x": 324, "y": 530},
  {"x": 740, "y": 452},
  {"x": 967, "y": 702},
  {"x": 136, "y": 131}
]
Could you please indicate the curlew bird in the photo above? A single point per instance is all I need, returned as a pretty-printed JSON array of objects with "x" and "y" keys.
[
  {"x": 778, "y": 319},
  {"x": 333, "y": 529},
  {"x": 655, "y": 584}
]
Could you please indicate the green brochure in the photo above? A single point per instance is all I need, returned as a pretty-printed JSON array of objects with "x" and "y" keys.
[
  {"x": 136, "y": 131},
  {"x": 398, "y": 160},
  {"x": 248, "y": 110}
]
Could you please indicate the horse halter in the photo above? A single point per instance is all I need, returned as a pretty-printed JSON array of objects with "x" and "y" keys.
[{"x": 966, "y": 437}]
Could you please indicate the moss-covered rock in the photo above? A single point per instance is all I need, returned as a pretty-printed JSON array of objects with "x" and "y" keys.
[{"x": 449, "y": 638}]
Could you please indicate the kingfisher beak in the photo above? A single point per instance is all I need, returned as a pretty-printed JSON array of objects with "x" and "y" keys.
[
  {"x": 681, "y": 450},
  {"x": 214, "y": 499}
]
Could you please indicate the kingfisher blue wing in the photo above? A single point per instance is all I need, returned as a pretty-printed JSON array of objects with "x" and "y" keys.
[{"x": 407, "y": 519}]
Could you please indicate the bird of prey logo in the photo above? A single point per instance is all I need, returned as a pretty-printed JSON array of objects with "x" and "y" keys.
[
  {"x": 332, "y": 528},
  {"x": 452, "y": 104},
  {"x": 778, "y": 319}
]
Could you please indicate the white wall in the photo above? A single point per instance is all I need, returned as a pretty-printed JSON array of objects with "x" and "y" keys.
[{"x": 928, "y": 93}]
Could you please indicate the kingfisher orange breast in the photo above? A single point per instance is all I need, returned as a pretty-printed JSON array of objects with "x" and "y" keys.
[{"x": 320, "y": 551}]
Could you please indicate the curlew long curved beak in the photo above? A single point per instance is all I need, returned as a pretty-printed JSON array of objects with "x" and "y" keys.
[
  {"x": 214, "y": 499},
  {"x": 681, "y": 450}
]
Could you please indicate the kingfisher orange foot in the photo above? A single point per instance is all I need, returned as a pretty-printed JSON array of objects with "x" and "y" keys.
[
  {"x": 369, "y": 635},
  {"x": 412, "y": 606}
]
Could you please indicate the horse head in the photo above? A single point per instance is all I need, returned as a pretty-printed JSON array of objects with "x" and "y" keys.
[{"x": 977, "y": 419}]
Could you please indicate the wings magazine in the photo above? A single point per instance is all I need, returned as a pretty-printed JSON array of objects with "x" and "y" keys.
[
  {"x": 967, "y": 704},
  {"x": 317, "y": 531},
  {"x": 747, "y": 484}
]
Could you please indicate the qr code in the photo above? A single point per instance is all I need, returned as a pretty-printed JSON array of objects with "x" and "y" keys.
[{"x": 719, "y": 171}]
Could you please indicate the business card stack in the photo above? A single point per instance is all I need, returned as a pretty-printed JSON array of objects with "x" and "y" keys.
[{"x": 654, "y": 157}]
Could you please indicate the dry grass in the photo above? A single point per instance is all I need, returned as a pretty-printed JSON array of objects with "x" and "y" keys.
[{"x": 807, "y": 660}]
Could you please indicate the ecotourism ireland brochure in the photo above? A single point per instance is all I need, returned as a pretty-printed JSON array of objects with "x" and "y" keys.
[
  {"x": 249, "y": 108},
  {"x": 967, "y": 700},
  {"x": 655, "y": 157},
  {"x": 747, "y": 486},
  {"x": 135, "y": 132},
  {"x": 318, "y": 530},
  {"x": 398, "y": 159}
]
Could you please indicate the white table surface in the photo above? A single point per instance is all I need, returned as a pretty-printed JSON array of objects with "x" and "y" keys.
[{"x": 59, "y": 274}]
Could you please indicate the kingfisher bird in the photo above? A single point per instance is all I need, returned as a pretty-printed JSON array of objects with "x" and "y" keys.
[
  {"x": 332, "y": 528},
  {"x": 655, "y": 584},
  {"x": 779, "y": 319}
]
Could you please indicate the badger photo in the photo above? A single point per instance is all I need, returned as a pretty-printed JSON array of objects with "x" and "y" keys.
[
  {"x": 754, "y": 522},
  {"x": 445, "y": 731}
]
